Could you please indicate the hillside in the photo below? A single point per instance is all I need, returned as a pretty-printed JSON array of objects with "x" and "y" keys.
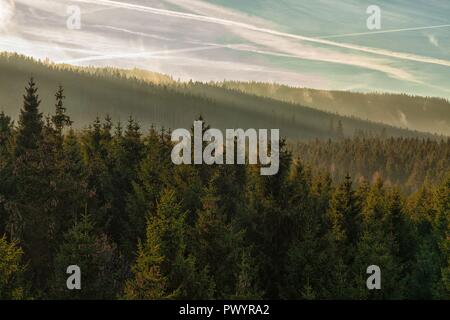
[
  {"x": 158, "y": 100},
  {"x": 401, "y": 110}
]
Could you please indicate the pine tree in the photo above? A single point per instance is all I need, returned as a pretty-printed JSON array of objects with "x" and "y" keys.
[
  {"x": 30, "y": 215},
  {"x": 60, "y": 119},
  {"x": 30, "y": 121},
  {"x": 344, "y": 214},
  {"x": 11, "y": 271},
  {"x": 308, "y": 256},
  {"x": 6, "y": 132},
  {"x": 102, "y": 269},
  {"x": 217, "y": 244},
  {"x": 163, "y": 269},
  {"x": 441, "y": 226},
  {"x": 6, "y": 167},
  {"x": 377, "y": 246},
  {"x": 153, "y": 173},
  {"x": 148, "y": 282},
  {"x": 267, "y": 220},
  {"x": 247, "y": 287}
]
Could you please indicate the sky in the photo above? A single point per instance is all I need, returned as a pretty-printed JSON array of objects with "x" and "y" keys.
[{"x": 324, "y": 44}]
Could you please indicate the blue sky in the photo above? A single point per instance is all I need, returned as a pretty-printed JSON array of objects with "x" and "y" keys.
[{"x": 312, "y": 43}]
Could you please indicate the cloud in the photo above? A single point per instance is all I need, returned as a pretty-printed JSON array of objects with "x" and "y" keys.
[
  {"x": 286, "y": 48},
  {"x": 135, "y": 33},
  {"x": 289, "y": 50},
  {"x": 7, "y": 8},
  {"x": 383, "y": 31},
  {"x": 204, "y": 41},
  {"x": 216, "y": 70},
  {"x": 232, "y": 23},
  {"x": 138, "y": 54}
]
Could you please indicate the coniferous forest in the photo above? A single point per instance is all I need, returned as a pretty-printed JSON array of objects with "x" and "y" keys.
[{"x": 109, "y": 199}]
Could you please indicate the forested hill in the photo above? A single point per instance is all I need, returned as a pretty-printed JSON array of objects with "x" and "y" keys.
[
  {"x": 158, "y": 100},
  {"x": 401, "y": 110}
]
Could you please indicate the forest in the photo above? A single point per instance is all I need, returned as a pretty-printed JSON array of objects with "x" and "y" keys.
[
  {"x": 407, "y": 163},
  {"x": 421, "y": 113},
  {"x": 108, "y": 199},
  {"x": 159, "y": 100}
]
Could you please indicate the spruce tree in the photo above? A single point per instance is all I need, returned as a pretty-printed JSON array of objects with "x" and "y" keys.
[
  {"x": 6, "y": 167},
  {"x": 247, "y": 286},
  {"x": 441, "y": 224},
  {"x": 30, "y": 121},
  {"x": 163, "y": 268},
  {"x": 11, "y": 271},
  {"x": 377, "y": 246},
  {"x": 60, "y": 119},
  {"x": 101, "y": 266},
  {"x": 217, "y": 244}
]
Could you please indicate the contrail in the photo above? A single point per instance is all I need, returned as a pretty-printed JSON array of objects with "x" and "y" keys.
[
  {"x": 17, "y": 44},
  {"x": 230, "y": 23},
  {"x": 241, "y": 47},
  {"x": 383, "y": 31},
  {"x": 138, "y": 54},
  {"x": 137, "y": 33}
]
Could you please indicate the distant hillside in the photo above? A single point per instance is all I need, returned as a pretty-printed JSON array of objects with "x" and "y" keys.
[
  {"x": 157, "y": 99},
  {"x": 414, "y": 112}
]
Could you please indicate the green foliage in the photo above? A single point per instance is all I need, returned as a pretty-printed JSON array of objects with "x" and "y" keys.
[
  {"x": 422, "y": 113},
  {"x": 101, "y": 267},
  {"x": 407, "y": 163},
  {"x": 30, "y": 121},
  {"x": 163, "y": 270},
  {"x": 108, "y": 199},
  {"x": 11, "y": 271},
  {"x": 155, "y": 99},
  {"x": 60, "y": 119}
]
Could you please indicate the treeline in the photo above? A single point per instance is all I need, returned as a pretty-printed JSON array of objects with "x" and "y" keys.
[
  {"x": 429, "y": 114},
  {"x": 109, "y": 200},
  {"x": 156, "y": 99},
  {"x": 405, "y": 162}
]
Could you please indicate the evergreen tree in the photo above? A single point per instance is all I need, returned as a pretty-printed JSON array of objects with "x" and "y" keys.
[
  {"x": 217, "y": 244},
  {"x": 441, "y": 224},
  {"x": 377, "y": 246},
  {"x": 268, "y": 223},
  {"x": 11, "y": 271},
  {"x": 6, "y": 135},
  {"x": 153, "y": 174},
  {"x": 6, "y": 167},
  {"x": 162, "y": 267},
  {"x": 247, "y": 287},
  {"x": 30, "y": 215},
  {"x": 101, "y": 266},
  {"x": 30, "y": 121},
  {"x": 344, "y": 214},
  {"x": 60, "y": 119}
]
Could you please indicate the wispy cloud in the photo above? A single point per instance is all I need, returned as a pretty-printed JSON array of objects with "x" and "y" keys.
[
  {"x": 285, "y": 49},
  {"x": 138, "y": 54},
  {"x": 201, "y": 40},
  {"x": 384, "y": 31},
  {"x": 7, "y": 8},
  {"x": 231, "y": 23}
]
